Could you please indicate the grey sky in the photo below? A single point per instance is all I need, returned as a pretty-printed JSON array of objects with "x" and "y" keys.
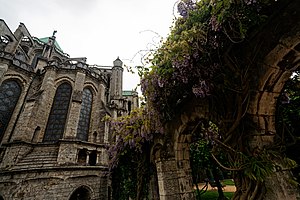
[{"x": 100, "y": 30}]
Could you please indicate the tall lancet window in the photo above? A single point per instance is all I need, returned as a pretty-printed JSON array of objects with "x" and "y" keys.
[
  {"x": 85, "y": 115},
  {"x": 10, "y": 92},
  {"x": 58, "y": 114}
]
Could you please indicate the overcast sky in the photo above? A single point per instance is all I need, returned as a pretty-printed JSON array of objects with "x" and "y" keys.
[{"x": 100, "y": 30}]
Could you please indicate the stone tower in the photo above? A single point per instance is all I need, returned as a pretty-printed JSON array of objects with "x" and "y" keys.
[
  {"x": 52, "y": 137},
  {"x": 116, "y": 79}
]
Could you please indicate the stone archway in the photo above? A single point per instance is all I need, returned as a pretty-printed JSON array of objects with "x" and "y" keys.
[
  {"x": 275, "y": 63},
  {"x": 272, "y": 58},
  {"x": 81, "y": 193},
  {"x": 171, "y": 153}
]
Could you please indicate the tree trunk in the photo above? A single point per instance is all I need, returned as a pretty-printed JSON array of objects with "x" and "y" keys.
[
  {"x": 247, "y": 189},
  {"x": 216, "y": 176}
]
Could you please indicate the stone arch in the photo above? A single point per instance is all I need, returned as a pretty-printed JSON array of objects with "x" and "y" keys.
[
  {"x": 92, "y": 87},
  {"x": 171, "y": 151},
  {"x": 82, "y": 193},
  {"x": 18, "y": 77},
  {"x": 10, "y": 92},
  {"x": 280, "y": 64},
  {"x": 276, "y": 68},
  {"x": 57, "y": 59},
  {"x": 272, "y": 58},
  {"x": 59, "y": 113},
  {"x": 64, "y": 79}
]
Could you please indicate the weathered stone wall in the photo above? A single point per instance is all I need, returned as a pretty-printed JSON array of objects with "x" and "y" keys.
[
  {"x": 31, "y": 168},
  {"x": 53, "y": 184}
]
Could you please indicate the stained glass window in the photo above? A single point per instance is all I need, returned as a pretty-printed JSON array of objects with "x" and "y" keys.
[
  {"x": 85, "y": 114},
  {"x": 9, "y": 94},
  {"x": 58, "y": 114}
]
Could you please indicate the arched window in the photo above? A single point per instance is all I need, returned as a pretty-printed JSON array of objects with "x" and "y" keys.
[
  {"x": 10, "y": 92},
  {"x": 81, "y": 193},
  {"x": 85, "y": 114},
  {"x": 58, "y": 114}
]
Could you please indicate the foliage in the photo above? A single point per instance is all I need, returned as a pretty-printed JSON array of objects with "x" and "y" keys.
[
  {"x": 188, "y": 63},
  {"x": 289, "y": 108},
  {"x": 125, "y": 178},
  {"x": 200, "y": 151},
  {"x": 288, "y": 116},
  {"x": 131, "y": 132},
  {"x": 213, "y": 195},
  {"x": 228, "y": 182},
  {"x": 129, "y": 154}
]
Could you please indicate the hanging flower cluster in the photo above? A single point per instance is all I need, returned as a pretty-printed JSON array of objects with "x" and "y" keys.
[{"x": 131, "y": 132}]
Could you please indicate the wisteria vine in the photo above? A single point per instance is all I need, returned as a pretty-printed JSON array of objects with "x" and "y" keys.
[{"x": 187, "y": 64}]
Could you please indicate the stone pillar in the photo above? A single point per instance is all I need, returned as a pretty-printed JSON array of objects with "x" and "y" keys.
[
  {"x": 3, "y": 69},
  {"x": 23, "y": 131},
  {"x": 262, "y": 111},
  {"x": 182, "y": 154},
  {"x": 44, "y": 103},
  {"x": 153, "y": 184},
  {"x": 103, "y": 157},
  {"x": 167, "y": 175},
  {"x": 97, "y": 113},
  {"x": 68, "y": 153},
  {"x": 88, "y": 153},
  {"x": 185, "y": 180},
  {"x": 74, "y": 112}
]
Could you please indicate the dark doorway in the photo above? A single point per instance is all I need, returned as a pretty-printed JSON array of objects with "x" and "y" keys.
[
  {"x": 81, "y": 193},
  {"x": 82, "y": 156},
  {"x": 93, "y": 158}
]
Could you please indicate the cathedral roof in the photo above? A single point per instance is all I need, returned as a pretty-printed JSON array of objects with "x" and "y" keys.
[
  {"x": 46, "y": 40},
  {"x": 128, "y": 93}
]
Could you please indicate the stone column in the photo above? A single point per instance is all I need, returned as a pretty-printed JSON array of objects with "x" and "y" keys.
[
  {"x": 167, "y": 175},
  {"x": 74, "y": 112},
  {"x": 182, "y": 154},
  {"x": 103, "y": 157},
  {"x": 3, "y": 69},
  {"x": 88, "y": 153},
  {"x": 185, "y": 180},
  {"x": 262, "y": 111},
  {"x": 97, "y": 113},
  {"x": 98, "y": 157},
  {"x": 44, "y": 103}
]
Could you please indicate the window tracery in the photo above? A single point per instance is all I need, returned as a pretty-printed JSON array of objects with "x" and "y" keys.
[
  {"x": 10, "y": 92},
  {"x": 85, "y": 114},
  {"x": 58, "y": 114}
]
